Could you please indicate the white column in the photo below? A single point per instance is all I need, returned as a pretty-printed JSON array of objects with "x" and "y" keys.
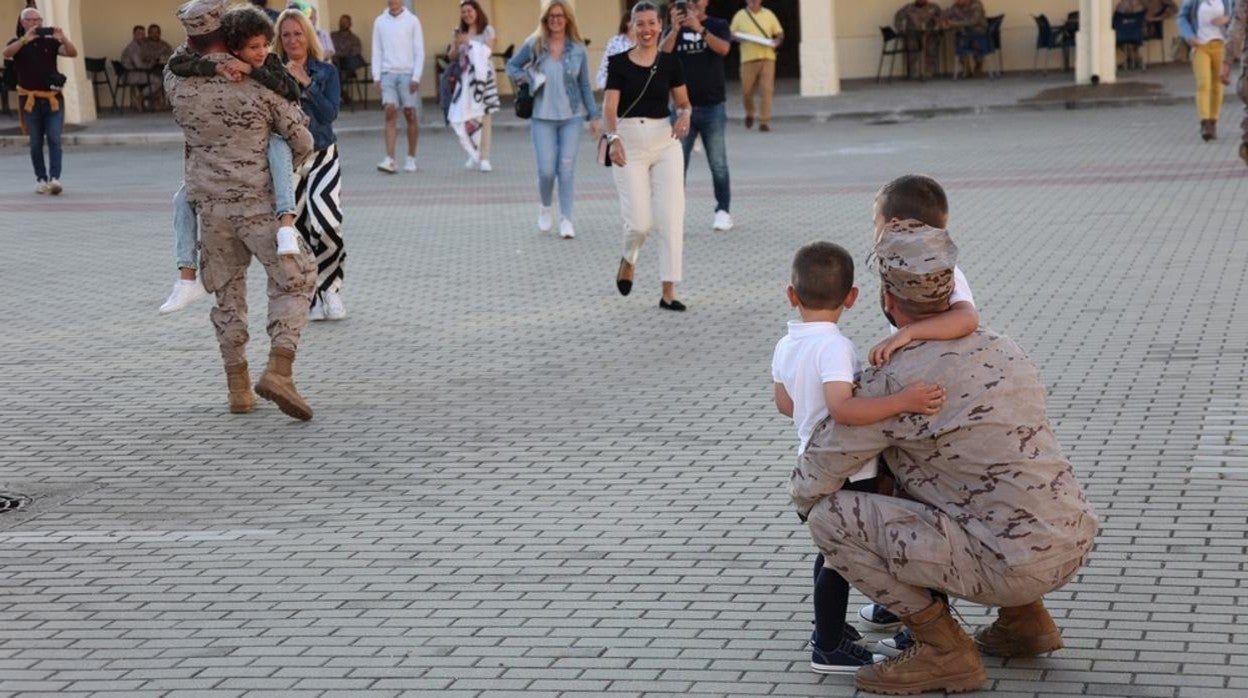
[
  {"x": 76, "y": 97},
  {"x": 821, "y": 76},
  {"x": 1095, "y": 53}
]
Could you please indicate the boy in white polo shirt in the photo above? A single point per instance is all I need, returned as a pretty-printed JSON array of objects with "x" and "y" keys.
[{"x": 813, "y": 368}]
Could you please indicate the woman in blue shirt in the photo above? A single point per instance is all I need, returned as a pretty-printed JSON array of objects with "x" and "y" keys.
[
  {"x": 318, "y": 184},
  {"x": 562, "y": 101}
]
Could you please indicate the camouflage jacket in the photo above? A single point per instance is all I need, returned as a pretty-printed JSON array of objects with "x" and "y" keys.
[
  {"x": 273, "y": 75},
  {"x": 1235, "y": 42},
  {"x": 970, "y": 17},
  {"x": 989, "y": 460},
  {"x": 227, "y": 127},
  {"x": 911, "y": 17}
]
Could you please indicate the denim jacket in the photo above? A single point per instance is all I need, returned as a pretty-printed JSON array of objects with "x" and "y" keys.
[
  {"x": 575, "y": 74},
  {"x": 320, "y": 102},
  {"x": 1187, "y": 17}
]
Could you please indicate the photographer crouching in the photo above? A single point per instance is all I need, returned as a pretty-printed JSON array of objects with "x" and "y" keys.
[{"x": 39, "y": 93}]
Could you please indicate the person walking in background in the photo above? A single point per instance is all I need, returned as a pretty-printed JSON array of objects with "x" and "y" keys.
[
  {"x": 39, "y": 92},
  {"x": 556, "y": 56},
  {"x": 1235, "y": 51},
  {"x": 649, "y": 172},
  {"x": 700, "y": 43},
  {"x": 398, "y": 61},
  {"x": 1203, "y": 25},
  {"x": 476, "y": 93},
  {"x": 758, "y": 62},
  {"x": 318, "y": 184},
  {"x": 621, "y": 42}
]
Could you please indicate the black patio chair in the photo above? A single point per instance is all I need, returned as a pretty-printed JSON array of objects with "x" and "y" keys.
[
  {"x": 1155, "y": 32},
  {"x": 1048, "y": 39},
  {"x": 994, "y": 36},
  {"x": 97, "y": 69},
  {"x": 123, "y": 89},
  {"x": 894, "y": 45},
  {"x": 1129, "y": 29},
  {"x": 355, "y": 86}
]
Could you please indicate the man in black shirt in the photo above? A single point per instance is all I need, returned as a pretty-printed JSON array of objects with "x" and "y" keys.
[
  {"x": 38, "y": 90},
  {"x": 700, "y": 43}
]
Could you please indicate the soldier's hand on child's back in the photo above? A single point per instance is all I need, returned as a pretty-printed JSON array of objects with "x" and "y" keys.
[{"x": 923, "y": 398}]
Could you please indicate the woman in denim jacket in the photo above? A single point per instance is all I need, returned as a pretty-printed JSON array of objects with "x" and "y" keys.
[
  {"x": 1203, "y": 25},
  {"x": 318, "y": 184},
  {"x": 556, "y": 57}
]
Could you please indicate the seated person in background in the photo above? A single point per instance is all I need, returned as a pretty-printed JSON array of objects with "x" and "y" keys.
[
  {"x": 967, "y": 17},
  {"x": 346, "y": 45},
  {"x": 914, "y": 21},
  {"x": 132, "y": 59}
]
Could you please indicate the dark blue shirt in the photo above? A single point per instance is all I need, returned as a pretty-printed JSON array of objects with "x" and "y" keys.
[{"x": 704, "y": 69}]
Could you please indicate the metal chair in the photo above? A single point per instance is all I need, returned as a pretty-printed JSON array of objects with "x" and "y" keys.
[
  {"x": 994, "y": 36},
  {"x": 1048, "y": 39},
  {"x": 356, "y": 87},
  {"x": 123, "y": 89},
  {"x": 97, "y": 68},
  {"x": 1155, "y": 32},
  {"x": 897, "y": 48}
]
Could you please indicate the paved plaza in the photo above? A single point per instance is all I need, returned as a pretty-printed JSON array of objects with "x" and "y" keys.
[{"x": 519, "y": 482}]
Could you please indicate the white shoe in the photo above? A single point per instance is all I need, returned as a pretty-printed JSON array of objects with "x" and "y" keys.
[
  {"x": 42, "y": 187},
  {"x": 334, "y": 309},
  {"x": 545, "y": 221},
  {"x": 287, "y": 240},
  {"x": 316, "y": 311},
  {"x": 472, "y": 164},
  {"x": 565, "y": 229},
  {"x": 184, "y": 293},
  {"x": 387, "y": 166},
  {"x": 485, "y": 166},
  {"x": 409, "y": 165},
  {"x": 723, "y": 221},
  {"x": 54, "y": 187}
]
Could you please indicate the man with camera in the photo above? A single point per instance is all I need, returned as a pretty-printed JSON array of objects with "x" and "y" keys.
[
  {"x": 700, "y": 44},
  {"x": 39, "y": 93}
]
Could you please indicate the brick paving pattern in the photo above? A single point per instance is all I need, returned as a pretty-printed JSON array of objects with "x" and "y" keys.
[{"x": 518, "y": 482}]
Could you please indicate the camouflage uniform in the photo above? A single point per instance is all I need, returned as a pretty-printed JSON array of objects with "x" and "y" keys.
[
  {"x": 227, "y": 127},
  {"x": 993, "y": 512},
  {"x": 916, "y": 25},
  {"x": 1234, "y": 52}
]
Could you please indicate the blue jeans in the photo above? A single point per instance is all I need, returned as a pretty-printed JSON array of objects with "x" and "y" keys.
[
  {"x": 186, "y": 232},
  {"x": 556, "y": 143},
  {"x": 43, "y": 123},
  {"x": 711, "y": 123}
]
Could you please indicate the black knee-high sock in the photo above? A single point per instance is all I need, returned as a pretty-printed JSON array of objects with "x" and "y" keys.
[{"x": 831, "y": 592}]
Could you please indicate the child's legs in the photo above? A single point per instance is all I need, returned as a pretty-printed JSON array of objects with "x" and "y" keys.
[
  {"x": 831, "y": 592},
  {"x": 569, "y": 141},
  {"x": 282, "y": 170},
  {"x": 185, "y": 231}
]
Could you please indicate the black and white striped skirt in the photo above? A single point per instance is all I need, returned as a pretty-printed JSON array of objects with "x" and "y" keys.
[{"x": 318, "y": 215}]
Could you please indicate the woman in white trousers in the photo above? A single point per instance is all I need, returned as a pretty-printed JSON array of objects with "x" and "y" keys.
[{"x": 645, "y": 148}]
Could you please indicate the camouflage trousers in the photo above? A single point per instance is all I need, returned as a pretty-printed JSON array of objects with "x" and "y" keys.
[
  {"x": 228, "y": 240},
  {"x": 894, "y": 550}
]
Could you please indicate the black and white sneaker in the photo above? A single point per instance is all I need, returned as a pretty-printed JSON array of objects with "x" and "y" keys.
[
  {"x": 849, "y": 632},
  {"x": 846, "y": 658},
  {"x": 878, "y": 618},
  {"x": 895, "y": 645}
]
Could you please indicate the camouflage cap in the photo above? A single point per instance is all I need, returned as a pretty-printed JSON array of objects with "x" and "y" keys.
[
  {"x": 916, "y": 263},
  {"x": 201, "y": 17}
]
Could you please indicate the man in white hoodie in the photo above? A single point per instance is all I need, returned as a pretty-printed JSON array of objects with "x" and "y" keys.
[{"x": 398, "y": 60}]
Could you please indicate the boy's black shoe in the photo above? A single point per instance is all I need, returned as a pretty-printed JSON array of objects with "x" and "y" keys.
[
  {"x": 846, "y": 658},
  {"x": 878, "y": 618}
]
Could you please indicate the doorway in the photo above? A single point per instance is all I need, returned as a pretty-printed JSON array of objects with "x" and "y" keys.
[{"x": 788, "y": 58}]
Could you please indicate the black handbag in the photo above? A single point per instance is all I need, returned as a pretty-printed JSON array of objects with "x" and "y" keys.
[{"x": 524, "y": 101}]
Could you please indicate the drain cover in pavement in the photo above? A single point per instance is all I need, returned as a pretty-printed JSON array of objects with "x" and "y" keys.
[{"x": 12, "y": 502}]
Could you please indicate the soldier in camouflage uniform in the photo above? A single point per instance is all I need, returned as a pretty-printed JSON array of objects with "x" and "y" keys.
[
  {"x": 968, "y": 19},
  {"x": 227, "y": 126},
  {"x": 916, "y": 22},
  {"x": 1234, "y": 52},
  {"x": 990, "y": 509}
]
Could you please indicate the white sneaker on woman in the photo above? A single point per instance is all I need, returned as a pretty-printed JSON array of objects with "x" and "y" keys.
[
  {"x": 184, "y": 293},
  {"x": 565, "y": 229},
  {"x": 287, "y": 240},
  {"x": 409, "y": 165},
  {"x": 334, "y": 308},
  {"x": 387, "y": 166},
  {"x": 485, "y": 166},
  {"x": 545, "y": 220}
]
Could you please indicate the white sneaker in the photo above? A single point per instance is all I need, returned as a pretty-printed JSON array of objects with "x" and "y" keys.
[
  {"x": 409, "y": 165},
  {"x": 334, "y": 309},
  {"x": 723, "y": 221},
  {"x": 54, "y": 187},
  {"x": 565, "y": 229},
  {"x": 387, "y": 166},
  {"x": 287, "y": 240},
  {"x": 545, "y": 221},
  {"x": 485, "y": 166},
  {"x": 184, "y": 293},
  {"x": 316, "y": 311},
  {"x": 42, "y": 187},
  {"x": 471, "y": 164}
]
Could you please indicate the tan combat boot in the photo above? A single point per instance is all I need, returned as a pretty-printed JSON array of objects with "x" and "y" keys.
[
  {"x": 277, "y": 385},
  {"x": 241, "y": 398},
  {"x": 942, "y": 658},
  {"x": 1020, "y": 631}
]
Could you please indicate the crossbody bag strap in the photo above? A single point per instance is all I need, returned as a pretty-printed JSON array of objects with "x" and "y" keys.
[
  {"x": 755, "y": 21},
  {"x": 653, "y": 69}
]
